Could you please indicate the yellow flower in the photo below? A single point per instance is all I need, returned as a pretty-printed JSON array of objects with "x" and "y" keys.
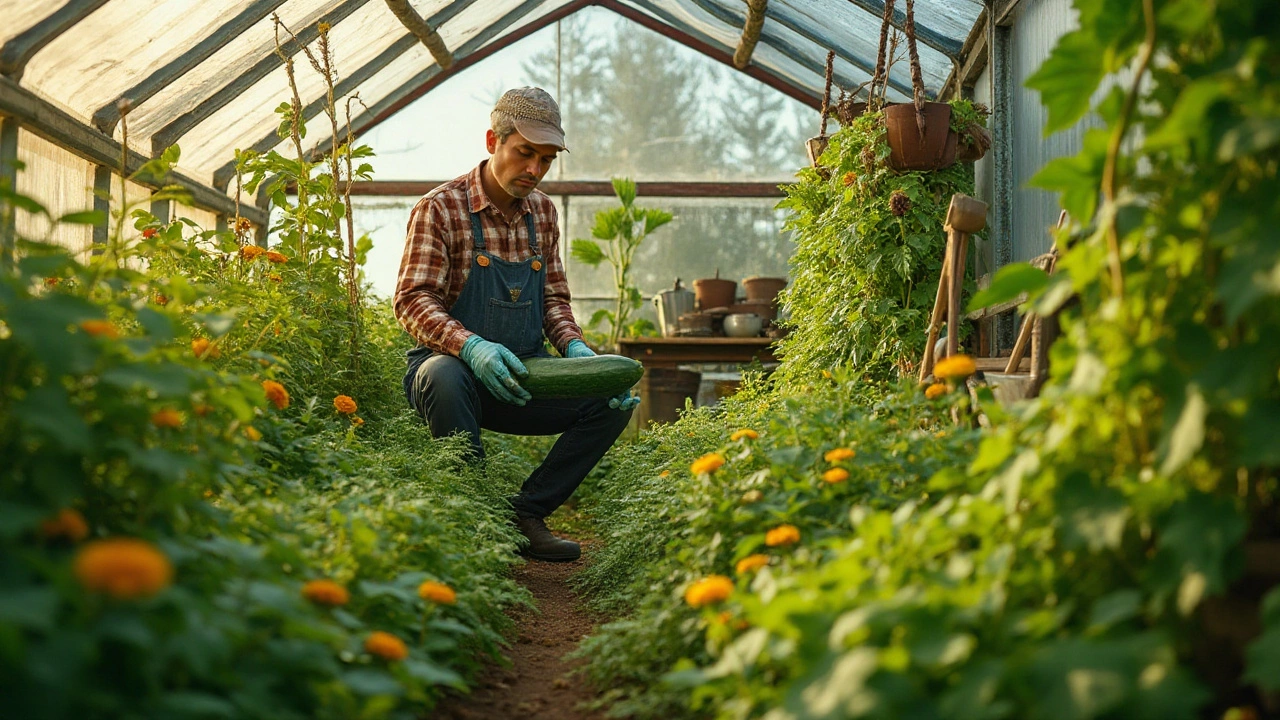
[
  {"x": 252, "y": 252},
  {"x": 826, "y": 374},
  {"x": 752, "y": 496},
  {"x": 386, "y": 646},
  {"x": 325, "y": 592},
  {"x": 707, "y": 463},
  {"x": 100, "y": 328},
  {"x": 835, "y": 475},
  {"x": 744, "y": 433},
  {"x": 252, "y": 433},
  {"x": 664, "y": 473},
  {"x": 956, "y": 367},
  {"x": 68, "y": 523},
  {"x": 751, "y": 563},
  {"x": 202, "y": 348},
  {"x": 709, "y": 590},
  {"x": 275, "y": 278},
  {"x": 123, "y": 568},
  {"x": 322, "y": 28},
  {"x": 357, "y": 420},
  {"x": 277, "y": 258},
  {"x": 935, "y": 391},
  {"x": 166, "y": 418},
  {"x": 276, "y": 394},
  {"x": 839, "y": 454},
  {"x": 344, "y": 404},
  {"x": 782, "y": 535},
  {"x": 437, "y": 593}
]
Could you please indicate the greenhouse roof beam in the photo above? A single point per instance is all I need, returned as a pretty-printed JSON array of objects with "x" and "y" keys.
[
  {"x": 790, "y": 51},
  {"x": 750, "y": 33},
  {"x": 181, "y": 125},
  {"x": 350, "y": 84},
  {"x": 59, "y": 127},
  {"x": 941, "y": 42},
  {"x": 19, "y": 50},
  {"x": 583, "y": 188},
  {"x": 106, "y": 117}
]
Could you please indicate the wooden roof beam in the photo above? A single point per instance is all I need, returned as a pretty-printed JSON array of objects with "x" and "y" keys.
[
  {"x": 18, "y": 51},
  {"x": 422, "y": 30},
  {"x": 584, "y": 188}
]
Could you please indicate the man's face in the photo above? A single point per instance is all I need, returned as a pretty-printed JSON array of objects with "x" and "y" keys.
[{"x": 517, "y": 164}]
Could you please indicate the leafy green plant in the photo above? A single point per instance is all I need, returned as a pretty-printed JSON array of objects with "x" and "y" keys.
[
  {"x": 869, "y": 245},
  {"x": 621, "y": 230}
]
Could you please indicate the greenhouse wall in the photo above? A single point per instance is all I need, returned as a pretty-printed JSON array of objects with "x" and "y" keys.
[{"x": 60, "y": 180}]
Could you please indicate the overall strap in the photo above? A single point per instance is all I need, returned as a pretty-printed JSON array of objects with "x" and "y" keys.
[
  {"x": 533, "y": 236},
  {"x": 477, "y": 232}
]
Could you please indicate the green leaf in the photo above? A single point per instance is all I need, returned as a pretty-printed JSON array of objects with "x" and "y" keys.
[
  {"x": 587, "y": 252},
  {"x": 48, "y": 409},
  {"x": 1184, "y": 439},
  {"x": 85, "y": 217},
  {"x": 433, "y": 674},
  {"x": 625, "y": 189},
  {"x": 1010, "y": 282},
  {"x": 1262, "y": 660},
  {"x": 372, "y": 682},
  {"x": 29, "y": 607},
  {"x": 1067, "y": 78}
]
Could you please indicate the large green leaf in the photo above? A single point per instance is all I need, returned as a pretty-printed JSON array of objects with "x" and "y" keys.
[
  {"x": 587, "y": 252},
  {"x": 1067, "y": 78},
  {"x": 1009, "y": 282}
]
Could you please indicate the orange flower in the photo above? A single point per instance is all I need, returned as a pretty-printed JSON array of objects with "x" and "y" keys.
[
  {"x": 782, "y": 535},
  {"x": 148, "y": 233},
  {"x": 52, "y": 281},
  {"x": 438, "y": 593},
  {"x": 243, "y": 225},
  {"x": 826, "y": 374},
  {"x": 161, "y": 299},
  {"x": 935, "y": 391},
  {"x": 123, "y": 568},
  {"x": 709, "y": 590},
  {"x": 166, "y": 418},
  {"x": 68, "y": 523},
  {"x": 252, "y": 433},
  {"x": 751, "y": 563},
  {"x": 277, "y": 258},
  {"x": 275, "y": 278},
  {"x": 835, "y": 475},
  {"x": 386, "y": 646},
  {"x": 202, "y": 409},
  {"x": 202, "y": 348},
  {"x": 839, "y": 454},
  {"x": 325, "y": 592},
  {"x": 664, "y": 473},
  {"x": 850, "y": 178},
  {"x": 744, "y": 433},
  {"x": 344, "y": 404},
  {"x": 956, "y": 367},
  {"x": 357, "y": 420},
  {"x": 252, "y": 252},
  {"x": 100, "y": 328},
  {"x": 707, "y": 463},
  {"x": 276, "y": 394}
]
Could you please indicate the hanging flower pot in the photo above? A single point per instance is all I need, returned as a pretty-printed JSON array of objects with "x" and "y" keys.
[
  {"x": 815, "y": 146},
  {"x": 920, "y": 141}
]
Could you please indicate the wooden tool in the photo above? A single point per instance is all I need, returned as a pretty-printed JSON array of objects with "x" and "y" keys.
[
  {"x": 965, "y": 216},
  {"x": 1030, "y": 322}
]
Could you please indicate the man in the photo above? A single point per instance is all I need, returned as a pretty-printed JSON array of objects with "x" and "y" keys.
[{"x": 481, "y": 283}]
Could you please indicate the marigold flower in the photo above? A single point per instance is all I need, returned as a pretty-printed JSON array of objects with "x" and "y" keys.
[
  {"x": 664, "y": 473},
  {"x": 243, "y": 225},
  {"x": 850, "y": 178},
  {"x": 782, "y": 535},
  {"x": 935, "y": 391},
  {"x": 955, "y": 367},
  {"x": 148, "y": 233},
  {"x": 709, "y": 590},
  {"x": 386, "y": 646},
  {"x": 124, "y": 568},
  {"x": 68, "y": 523},
  {"x": 166, "y": 418},
  {"x": 100, "y": 328},
  {"x": 251, "y": 252},
  {"x": 202, "y": 409},
  {"x": 344, "y": 404},
  {"x": 357, "y": 420},
  {"x": 52, "y": 281},
  {"x": 827, "y": 374},
  {"x": 744, "y": 433},
  {"x": 751, "y": 563},
  {"x": 160, "y": 299},
  {"x": 839, "y": 454},
  {"x": 252, "y": 433},
  {"x": 275, "y": 278},
  {"x": 835, "y": 475},
  {"x": 438, "y": 593},
  {"x": 276, "y": 394},
  {"x": 202, "y": 348},
  {"x": 707, "y": 463},
  {"x": 325, "y": 592},
  {"x": 277, "y": 258},
  {"x": 752, "y": 496}
]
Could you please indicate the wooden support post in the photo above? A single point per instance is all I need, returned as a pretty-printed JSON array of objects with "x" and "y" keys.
[
  {"x": 939, "y": 309},
  {"x": 965, "y": 216},
  {"x": 102, "y": 203},
  {"x": 8, "y": 179},
  {"x": 959, "y": 243},
  {"x": 422, "y": 30},
  {"x": 750, "y": 33}
]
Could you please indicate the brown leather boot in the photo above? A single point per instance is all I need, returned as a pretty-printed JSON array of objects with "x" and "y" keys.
[{"x": 543, "y": 545}]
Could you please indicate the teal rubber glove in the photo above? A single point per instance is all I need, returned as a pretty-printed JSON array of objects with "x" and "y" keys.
[
  {"x": 494, "y": 364},
  {"x": 578, "y": 349},
  {"x": 625, "y": 401}
]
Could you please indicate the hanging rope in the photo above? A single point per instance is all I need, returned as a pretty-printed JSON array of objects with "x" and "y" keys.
[
  {"x": 826, "y": 91},
  {"x": 881, "y": 75}
]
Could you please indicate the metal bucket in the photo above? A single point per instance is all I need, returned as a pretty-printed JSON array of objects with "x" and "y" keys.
[{"x": 671, "y": 304}]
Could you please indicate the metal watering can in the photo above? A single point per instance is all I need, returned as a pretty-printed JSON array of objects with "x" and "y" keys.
[{"x": 671, "y": 305}]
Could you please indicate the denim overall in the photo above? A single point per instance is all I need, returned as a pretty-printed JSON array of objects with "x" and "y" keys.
[{"x": 502, "y": 302}]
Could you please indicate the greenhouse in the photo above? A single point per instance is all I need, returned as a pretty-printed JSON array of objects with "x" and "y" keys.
[{"x": 651, "y": 359}]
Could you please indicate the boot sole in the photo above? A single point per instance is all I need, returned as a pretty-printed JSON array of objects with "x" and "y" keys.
[{"x": 549, "y": 558}]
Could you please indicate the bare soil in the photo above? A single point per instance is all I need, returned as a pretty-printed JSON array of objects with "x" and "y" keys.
[{"x": 538, "y": 685}]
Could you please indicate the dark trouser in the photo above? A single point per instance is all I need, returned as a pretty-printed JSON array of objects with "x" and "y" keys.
[{"x": 447, "y": 395}]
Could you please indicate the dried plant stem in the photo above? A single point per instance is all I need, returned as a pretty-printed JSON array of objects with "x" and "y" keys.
[
  {"x": 826, "y": 91},
  {"x": 295, "y": 134}
]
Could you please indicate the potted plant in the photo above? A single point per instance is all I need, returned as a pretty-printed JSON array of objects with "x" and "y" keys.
[{"x": 969, "y": 123}]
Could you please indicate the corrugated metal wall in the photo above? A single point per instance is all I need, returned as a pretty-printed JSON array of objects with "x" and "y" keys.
[{"x": 62, "y": 182}]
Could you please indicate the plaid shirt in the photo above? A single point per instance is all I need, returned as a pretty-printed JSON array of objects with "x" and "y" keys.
[{"x": 437, "y": 260}]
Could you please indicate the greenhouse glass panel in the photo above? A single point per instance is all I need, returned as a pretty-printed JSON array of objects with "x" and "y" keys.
[
  {"x": 20, "y": 16},
  {"x": 121, "y": 43},
  {"x": 59, "y": 180}
]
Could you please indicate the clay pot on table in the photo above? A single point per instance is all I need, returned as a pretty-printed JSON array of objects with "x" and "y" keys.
[
  {"x": 714, "y": 292},
  {"x": 763, "y": 288}
]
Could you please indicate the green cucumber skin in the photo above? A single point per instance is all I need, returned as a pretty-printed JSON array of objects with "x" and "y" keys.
[{"x": 598, "y": 376}]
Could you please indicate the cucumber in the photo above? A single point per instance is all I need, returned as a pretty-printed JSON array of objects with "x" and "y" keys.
[{"x": 600, "y": 376}]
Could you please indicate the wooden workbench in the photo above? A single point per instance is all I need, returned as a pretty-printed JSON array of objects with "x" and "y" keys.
[{"x": 669, "y": 352}]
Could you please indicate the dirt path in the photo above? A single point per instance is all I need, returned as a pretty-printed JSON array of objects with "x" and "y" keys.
[{"x": 537, "y": 685}]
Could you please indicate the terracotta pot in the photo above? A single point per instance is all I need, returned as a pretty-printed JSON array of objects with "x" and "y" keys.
[
  {"x": 766, "y": 309},
  {"x": 977, "y": 148},
  {"x": 763, "y": 288},
  {"x": 815, "y": 146},
  {"x": 714, "y": 292},
  {"x": 909, "y": 150}
]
